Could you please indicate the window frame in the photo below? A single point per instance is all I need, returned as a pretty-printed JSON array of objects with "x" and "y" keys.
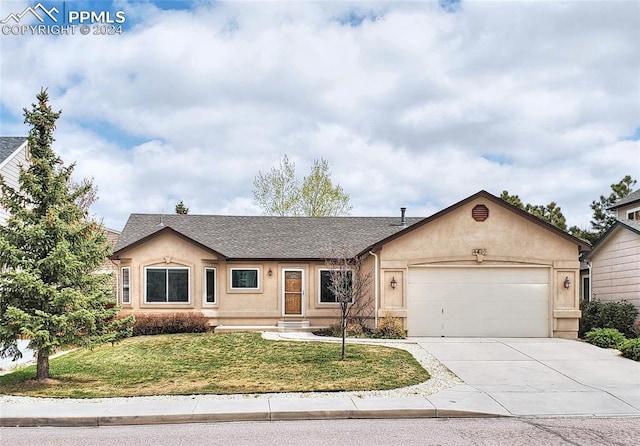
[
  {"x": 168, "y": 302},
  {"x": 258, "y": 284},
  {"x": 631, "y": 214},
  {"x": 206, "y": 286},
  {"x": 320, "y": 289},
  {"x": 125, "y": 287}
]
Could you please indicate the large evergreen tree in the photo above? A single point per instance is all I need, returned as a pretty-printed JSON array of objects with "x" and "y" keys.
[
  {"x": 603, "y": 219},
  {"x": 551, "y": 213},
  {"x": 50, "y": 250}
]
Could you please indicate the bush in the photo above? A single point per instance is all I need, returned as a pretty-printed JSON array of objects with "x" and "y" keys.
[
  {"x": 605, "y": 338},
  {"x": 636, "y": 329},
  {"x": 631, "y": 349},
  {"x": 618, "y": 315},
  {"x": 154, "y": 324},
  {"x": 390, "y": 328},
  {"x": 354, "y": 330}
]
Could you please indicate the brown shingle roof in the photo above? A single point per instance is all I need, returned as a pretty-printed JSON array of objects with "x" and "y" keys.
[{"x": 260, "y": 237}]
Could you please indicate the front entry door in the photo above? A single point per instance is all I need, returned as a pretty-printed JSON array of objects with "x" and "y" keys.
[{"x": 292, "y": 292}]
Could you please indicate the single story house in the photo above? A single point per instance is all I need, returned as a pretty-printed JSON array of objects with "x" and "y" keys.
[
  {"x": 615, "y": 259},
  {"x": 480, "y": 267},
  {"x": 14, "y": 152}
]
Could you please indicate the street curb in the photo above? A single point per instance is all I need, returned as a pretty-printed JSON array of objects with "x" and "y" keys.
[{"x": 231, "y": 417}]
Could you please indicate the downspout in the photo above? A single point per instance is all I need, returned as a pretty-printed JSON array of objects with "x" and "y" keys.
[
  {"x": 589, "y": 266},
  {"x": 375, "y": 289}
]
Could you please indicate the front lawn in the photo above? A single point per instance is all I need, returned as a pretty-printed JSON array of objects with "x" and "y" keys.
[{"x": 218, "y": 364}]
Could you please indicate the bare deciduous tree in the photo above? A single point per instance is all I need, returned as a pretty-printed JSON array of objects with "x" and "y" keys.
[{"x": 350, "y": 283}]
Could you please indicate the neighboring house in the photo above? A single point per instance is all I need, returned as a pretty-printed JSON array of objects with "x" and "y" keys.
[
  {"x": 13, "y": 153},
  {"x": 628, "y": 208},
  {"x": 615, "y": 259},
  {"x": 481, "y": 267},
  {"x": 109, "y": 267}
]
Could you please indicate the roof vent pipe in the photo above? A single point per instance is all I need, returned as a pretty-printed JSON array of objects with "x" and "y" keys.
[{"x": 403, "y": 220}]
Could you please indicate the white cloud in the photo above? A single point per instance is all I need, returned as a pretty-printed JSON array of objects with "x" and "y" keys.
[{"x": 413, "y": 106}]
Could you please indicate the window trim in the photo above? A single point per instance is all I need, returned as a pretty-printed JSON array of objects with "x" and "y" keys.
[
  {"x": 258, "y": 284},
  {"x": 126, "y": 286},
  {"x": 630, "y": 212},
  {"x": 215, "y": 286},
  {"x": 320, "y": 270},
  {"x": 167, "y": 302}
]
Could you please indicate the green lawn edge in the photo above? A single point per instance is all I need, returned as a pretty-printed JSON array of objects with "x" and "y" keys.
[{"x": 234, "y": 363}]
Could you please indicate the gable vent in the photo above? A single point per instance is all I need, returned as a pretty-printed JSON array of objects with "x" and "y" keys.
[{"x": 480, "y": 212}]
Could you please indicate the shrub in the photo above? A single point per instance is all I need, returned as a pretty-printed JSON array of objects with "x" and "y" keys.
[
  {"x": 636, "y": 329},
  {"x": 354, "y": 330},
  {"x": 390, "y": 328},
  {"x": 618, "y": 315},
  {"x": 631, "y": 349},
  {"x": 605, "y": 338},
  {"x": 154, "y": 324}
]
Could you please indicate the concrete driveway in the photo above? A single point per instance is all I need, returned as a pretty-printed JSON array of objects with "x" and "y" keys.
[{"x": 541, "y": 376}]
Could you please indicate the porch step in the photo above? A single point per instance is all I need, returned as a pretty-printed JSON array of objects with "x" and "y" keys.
[
  {"x": 284, "y": 326},
  {"x": 239, "y": 328}
]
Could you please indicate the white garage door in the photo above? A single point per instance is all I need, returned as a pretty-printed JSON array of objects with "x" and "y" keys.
[{"x": 478, "y": 301}]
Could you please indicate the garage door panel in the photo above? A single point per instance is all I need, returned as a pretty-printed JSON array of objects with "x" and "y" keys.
[
  {"x": 479, "y": 275},
  {"x": 478, "y": 302}
]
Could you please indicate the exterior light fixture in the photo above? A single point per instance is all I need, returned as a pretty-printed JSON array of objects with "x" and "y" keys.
[
  {"x": 394, "y": 283},
  {"x": 270, "y": 272},
  {"x": 567, "y": 282}
]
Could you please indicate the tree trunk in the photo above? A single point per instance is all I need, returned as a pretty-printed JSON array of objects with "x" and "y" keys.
[
  {"x": 42, "y": 370},
  {"x": 344, "y": 332}
]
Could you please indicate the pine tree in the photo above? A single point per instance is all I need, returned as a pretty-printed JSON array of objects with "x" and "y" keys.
[
  {"x": 551, "y": 213},
  {"x": 49, "y": 253},
  {"x": 181, "y": 209}
]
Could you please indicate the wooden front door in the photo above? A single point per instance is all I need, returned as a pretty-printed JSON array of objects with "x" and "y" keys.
[{"x": 292, "y": 292}]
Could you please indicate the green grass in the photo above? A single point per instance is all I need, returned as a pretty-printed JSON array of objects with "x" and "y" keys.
[{"x": 216, "y": 364}]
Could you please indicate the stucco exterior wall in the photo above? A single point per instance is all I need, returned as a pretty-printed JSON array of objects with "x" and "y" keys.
[
  {"x": 615, "y": 268},
  {"x": 505, "y": 237},
  {"x": 233, "y": 307}
]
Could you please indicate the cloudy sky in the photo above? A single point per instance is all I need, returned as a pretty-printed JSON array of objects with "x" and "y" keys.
[{"x": 417, "y": 104}]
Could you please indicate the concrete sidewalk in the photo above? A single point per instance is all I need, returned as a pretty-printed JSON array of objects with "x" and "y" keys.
[
  {"x": 192, "y": 409},
  {"x": 503, "y": 377}
]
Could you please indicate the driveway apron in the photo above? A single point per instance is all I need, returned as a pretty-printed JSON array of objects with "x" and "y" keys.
[{"x": 539, "y": 377}]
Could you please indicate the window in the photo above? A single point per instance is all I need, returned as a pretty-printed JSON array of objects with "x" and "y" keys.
[
  {"x": 326, "y": 295},
  {"x": 209, "y": 285},
  {"x": 167, "y": 285},
  {"x": 585, "y": 289},
  {"x": 126, "y": 297},
  {"x": 246, "y": 278},
  {"x": 633, "y": 215}
]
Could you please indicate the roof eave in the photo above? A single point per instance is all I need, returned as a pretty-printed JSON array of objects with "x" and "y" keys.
[
  {"x": 618, "y": 224},
  {"x": 8, "y": 158},
  {"x": 116, "y": 254},
  {"x": 582, "y": 245}
]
